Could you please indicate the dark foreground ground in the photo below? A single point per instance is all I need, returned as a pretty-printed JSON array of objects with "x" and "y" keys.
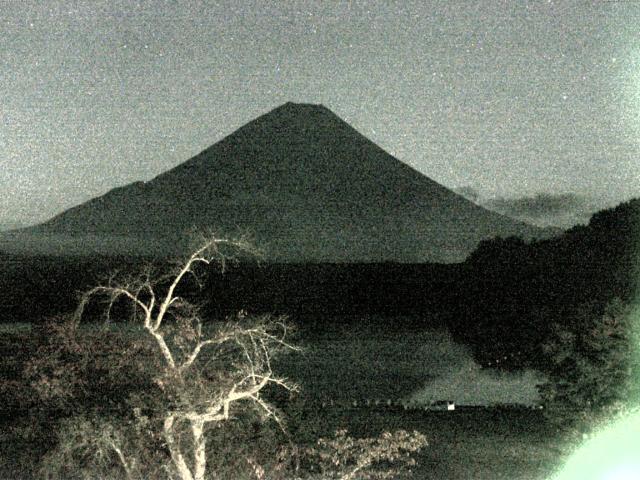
[
  {"x": 486, "y": 444},
  {"x": 479, "y": 443}
]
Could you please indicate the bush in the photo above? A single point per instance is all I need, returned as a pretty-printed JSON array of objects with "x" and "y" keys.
[
  {"x": 344, "y": 457},
  {"x": 590, "y": 365}
]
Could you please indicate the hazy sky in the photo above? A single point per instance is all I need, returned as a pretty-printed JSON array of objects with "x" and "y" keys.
[{"x": 509, "y": 98}]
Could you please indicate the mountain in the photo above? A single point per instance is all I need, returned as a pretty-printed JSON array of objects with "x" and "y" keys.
[{"x": 303, "y": 183}]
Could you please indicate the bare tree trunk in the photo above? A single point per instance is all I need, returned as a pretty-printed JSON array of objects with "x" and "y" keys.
[
  {"x": 164, "y": 349},
  {"x": 176, "y": 455},
  {"x": 123, "y": 461},
  {"x": 199, "y": 448}
]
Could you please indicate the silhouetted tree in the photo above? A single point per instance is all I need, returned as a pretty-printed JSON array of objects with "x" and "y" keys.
[
  {"x": 590, "y": 362},
  {"x": 515, "y": 292}
]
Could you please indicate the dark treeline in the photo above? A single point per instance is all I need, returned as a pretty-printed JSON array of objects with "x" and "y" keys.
[
  {"x": 340, "y": 291},
  {"x": 502, "y": 301},
  {"x": 36, "y": 287},
  {"x": 515, "y": 292}
]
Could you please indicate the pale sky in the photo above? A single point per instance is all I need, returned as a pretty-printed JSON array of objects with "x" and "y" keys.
[{"x": 508, "y": 98}]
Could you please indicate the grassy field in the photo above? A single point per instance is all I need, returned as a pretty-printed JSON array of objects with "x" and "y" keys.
[{"x": 344, "y": 363}]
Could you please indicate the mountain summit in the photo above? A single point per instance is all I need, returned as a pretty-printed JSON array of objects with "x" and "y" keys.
[{"x": 305, "y": 185}]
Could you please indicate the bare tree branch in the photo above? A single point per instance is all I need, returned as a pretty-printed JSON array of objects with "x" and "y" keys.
[{"x": 197, "y": 396}]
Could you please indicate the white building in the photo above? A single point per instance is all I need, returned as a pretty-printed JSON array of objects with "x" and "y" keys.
[{"x": 447, "y": 405}]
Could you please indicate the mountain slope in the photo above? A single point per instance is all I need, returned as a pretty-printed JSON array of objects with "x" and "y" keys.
[{"x": 306, "y": 186}]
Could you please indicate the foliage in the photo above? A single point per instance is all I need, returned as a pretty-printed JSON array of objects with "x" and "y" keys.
[
  {"x": 499, "y": 253},
  {"x": 514, "y": 292},
  {"x": 192, "y": 377},
  {"x": 101, "y": 447},
  {"x": 346, "y": 458},
  {"x": 57, "y": 370},
  {"x": 590, "y": 364},
  {"x": 173, "y": 397},
  {"x": 78, "y": 372}
]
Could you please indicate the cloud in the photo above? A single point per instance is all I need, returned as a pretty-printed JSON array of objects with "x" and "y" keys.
[
  {"x": 469, "y": 193},
  {"x": 538, "y": 205},
  {"x": 543, "y": 209}
]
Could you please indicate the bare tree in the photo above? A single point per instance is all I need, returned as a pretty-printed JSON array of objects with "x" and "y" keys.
[
  {"x": 204, "y": 373},
  {"x": 189, "y": 376}
]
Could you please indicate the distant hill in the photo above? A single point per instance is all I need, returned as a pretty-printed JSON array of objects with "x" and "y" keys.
[{"x": 303, "y": 183}]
